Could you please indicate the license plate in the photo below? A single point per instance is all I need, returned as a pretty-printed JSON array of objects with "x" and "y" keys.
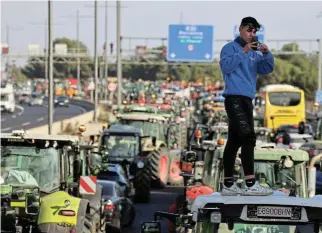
[
  {"x": 271, "y": 211},
  {"x": 292, "y": 213},
  {"x": 61, "y": 103}
]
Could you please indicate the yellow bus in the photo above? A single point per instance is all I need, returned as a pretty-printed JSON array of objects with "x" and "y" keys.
[{"x": 283, "y": 105}]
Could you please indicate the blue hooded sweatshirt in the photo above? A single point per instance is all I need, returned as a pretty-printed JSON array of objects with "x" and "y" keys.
[{"x": 240, "y": 69}]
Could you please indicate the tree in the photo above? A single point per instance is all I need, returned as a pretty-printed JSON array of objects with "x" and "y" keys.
[
  {"x": 61, "y": 70},
  {"x": 296, "y": 69}
]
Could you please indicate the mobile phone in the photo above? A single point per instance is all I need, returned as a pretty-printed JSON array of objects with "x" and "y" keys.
[{"x": 255, "y": 46}]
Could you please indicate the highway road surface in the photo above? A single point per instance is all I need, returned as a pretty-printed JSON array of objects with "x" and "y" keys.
[{"x": 27, "y": 117}]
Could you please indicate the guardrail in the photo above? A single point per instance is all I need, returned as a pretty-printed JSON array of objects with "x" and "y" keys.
[{"x": 61, "y": 125}]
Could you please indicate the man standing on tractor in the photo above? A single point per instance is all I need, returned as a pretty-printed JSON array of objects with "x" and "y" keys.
[{"x": 240, "y": 61}]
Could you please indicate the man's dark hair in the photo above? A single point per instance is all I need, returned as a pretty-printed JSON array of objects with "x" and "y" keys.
[{"x": 250, "y": 21}]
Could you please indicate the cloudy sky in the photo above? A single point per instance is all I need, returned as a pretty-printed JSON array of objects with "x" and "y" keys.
[{"x": 282, "y": 20}]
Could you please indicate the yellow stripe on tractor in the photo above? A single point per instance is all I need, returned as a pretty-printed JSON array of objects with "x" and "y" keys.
[{"x": 18, "y": 204}]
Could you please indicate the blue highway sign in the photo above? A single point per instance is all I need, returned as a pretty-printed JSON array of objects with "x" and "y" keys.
[
  {"x": 260, "y": 34},
  {"x": 318, "y": 97},
  {"x": 190, "y": 43}
]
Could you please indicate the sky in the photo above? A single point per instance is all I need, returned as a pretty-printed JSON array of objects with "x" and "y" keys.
[{"x": 282, "y": 20}]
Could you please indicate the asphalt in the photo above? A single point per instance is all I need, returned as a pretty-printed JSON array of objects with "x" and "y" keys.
[
  {"x": 161, "y": 200},
  {"x": 27, "y": 117}
]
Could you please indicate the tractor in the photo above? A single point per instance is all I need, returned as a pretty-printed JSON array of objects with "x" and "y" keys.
[
  {"x": 168, "y": 128},
  {"x": 280, "y": 169},
  {"x": 156, "y": 149},
  {"x": 46, "y": 185},
  {"x": 124, "y": 145}
]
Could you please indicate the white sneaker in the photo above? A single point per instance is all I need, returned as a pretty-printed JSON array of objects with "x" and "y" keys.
[
  {"x": 257, "y": 190},
  {"x": 233, "y": 190}
]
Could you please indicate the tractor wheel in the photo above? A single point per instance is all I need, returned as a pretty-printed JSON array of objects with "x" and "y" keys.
[
  {"x": 160, "y": 167},
  {"x": 142, "y": 184},
  {"x": 92, "y": 223},
  {"x": 174, "y": 172}
]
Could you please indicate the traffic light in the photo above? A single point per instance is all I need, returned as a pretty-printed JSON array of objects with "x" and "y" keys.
[{"x": 111, "y": 47}]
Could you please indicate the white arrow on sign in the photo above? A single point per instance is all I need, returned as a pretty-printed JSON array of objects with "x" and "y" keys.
[
  {"x": 207, "y": 55},
  {"x": 173, "y": 55}
]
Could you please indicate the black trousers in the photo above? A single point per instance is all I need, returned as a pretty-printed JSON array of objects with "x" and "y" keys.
[{"x": 241, "y": 133}]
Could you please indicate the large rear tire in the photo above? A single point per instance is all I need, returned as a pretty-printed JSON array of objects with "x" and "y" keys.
[
  {"x": 160, "y": 167},
  {"x": 142, "y": 184}
]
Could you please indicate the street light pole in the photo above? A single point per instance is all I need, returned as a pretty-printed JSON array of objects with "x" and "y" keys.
[
  {"x": 46, "y": 53},
  {"x": 118, "y": 45},
  {"x": 7, "y": 32},
  {"x": 106, "y": 50},
  {"x": 77, "y": 50},
  {"x": 320, "y": 64},
  {"x": 320, "y": 59},
  {"x": 50, "y": 72},
  {"x": 95, "y": 64}
]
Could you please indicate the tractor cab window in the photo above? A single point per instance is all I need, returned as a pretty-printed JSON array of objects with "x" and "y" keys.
[
  {"x": 122, "y": 145},
  {"x": 276, "y": 175},
  {"x": 30, "y": 166}
]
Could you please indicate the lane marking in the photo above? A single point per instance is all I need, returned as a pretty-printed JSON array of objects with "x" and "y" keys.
[
  {"x": 41, "y": 119},
  {"x": 22, "y": 109},
  {"x": 25, "y": 124},
  {"x": 13, "y": 116}
]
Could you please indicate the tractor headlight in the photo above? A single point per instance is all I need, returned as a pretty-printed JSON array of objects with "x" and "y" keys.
[
  {"x": 215, "y": 217},
  {"x": 140, "y": 164}
]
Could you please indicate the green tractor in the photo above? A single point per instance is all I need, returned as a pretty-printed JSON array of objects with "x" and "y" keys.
[
  {"x": 280, "y": 169},
  {"x": 285, "y": 171},
  {"x": 42, "y": 185},
  {"x": 156, "y": 149},
  {"x": 122, "y": 144},
  {"x": 178, "y": 125}
]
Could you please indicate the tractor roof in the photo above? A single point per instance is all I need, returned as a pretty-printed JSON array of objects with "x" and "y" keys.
[
  {"x": 40, "y": 137},
  {"x": 21, "y": 138},
  {"x": 141, "y": 117},
  {"x": 118, "y": 128},
  {"x": 273, "y": 154}
]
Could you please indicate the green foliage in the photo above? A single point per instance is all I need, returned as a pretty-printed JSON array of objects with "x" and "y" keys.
[
  {"x": 61, "y": 70},
  {"x": 18, "y": 75},
  {"x": 300, "y": 70}
]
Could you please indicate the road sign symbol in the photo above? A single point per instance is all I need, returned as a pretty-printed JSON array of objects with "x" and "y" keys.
[
  {"x": 260, "y": 34},
  {"x": 87, "y": 184},
  {"x": 190, "y": 43}
]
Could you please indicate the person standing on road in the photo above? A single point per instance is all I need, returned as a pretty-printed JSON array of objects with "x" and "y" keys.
[{"x": 240, "y": 62}]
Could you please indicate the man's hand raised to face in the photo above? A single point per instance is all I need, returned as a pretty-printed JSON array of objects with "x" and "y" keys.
[
  {"x": 249, "y": 46},
  {"x": 263, "y": 48}
]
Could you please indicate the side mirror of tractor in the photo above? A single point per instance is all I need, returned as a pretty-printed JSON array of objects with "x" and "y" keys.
[{"x": 32, "y": 204}]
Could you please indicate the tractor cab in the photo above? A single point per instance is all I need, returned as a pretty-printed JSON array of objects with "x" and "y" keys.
[
  {"x": 215, "y": 213},
  {"x": 39, "y": 171}
]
